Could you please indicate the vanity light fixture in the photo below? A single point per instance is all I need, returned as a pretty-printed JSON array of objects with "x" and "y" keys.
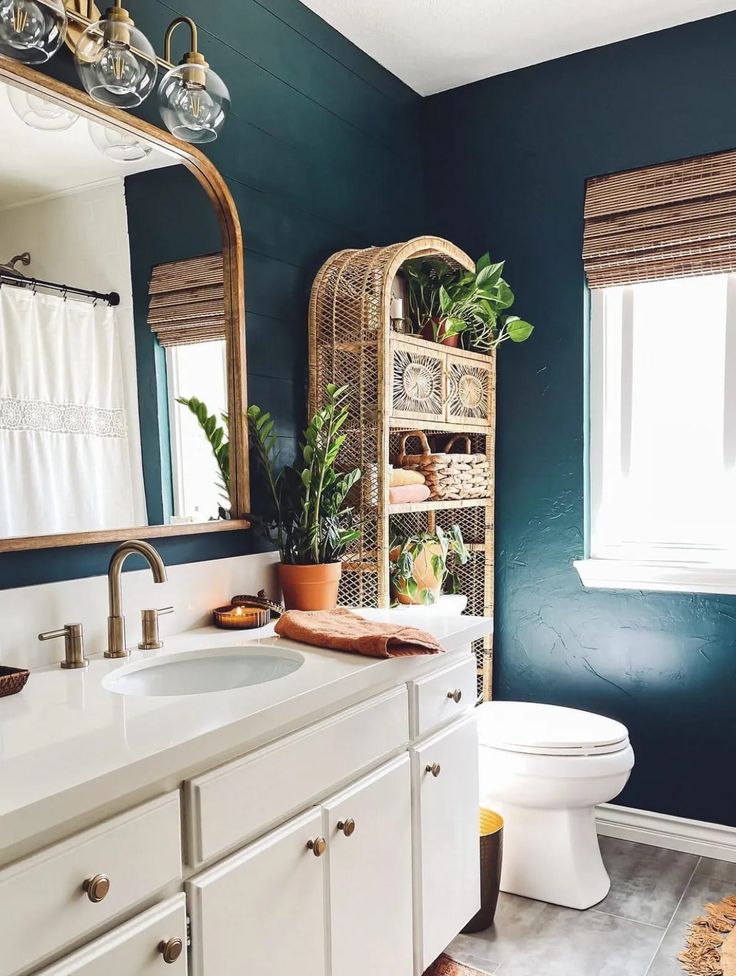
[
  {"x": 40, "y": 113},
  {"x": 118, "y": 144},
  {"x": 115, "y": 61},
  {"x": 32, "y": 31},
  {"x": 193, "y": 99}
]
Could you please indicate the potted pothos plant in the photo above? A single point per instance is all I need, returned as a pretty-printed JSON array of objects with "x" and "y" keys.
[
  {"x": 423, "y": 565},
  {"x": 449, "y": 305},
  {"x": 306, "y": 513}
]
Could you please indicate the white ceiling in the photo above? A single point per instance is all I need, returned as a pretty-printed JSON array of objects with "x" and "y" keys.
[
  {"x": 34, "y": 163},
  {"x": 434, "y": 45}
]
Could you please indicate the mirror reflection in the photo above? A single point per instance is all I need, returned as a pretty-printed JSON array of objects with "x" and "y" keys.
[{"x": 113, "y": 356}]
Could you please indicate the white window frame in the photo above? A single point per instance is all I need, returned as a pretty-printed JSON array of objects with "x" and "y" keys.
[{"x": 674, "y": 568}]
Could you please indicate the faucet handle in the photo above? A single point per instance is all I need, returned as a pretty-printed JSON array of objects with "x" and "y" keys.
[
  {"x": 73, "y": 645},
  {"x": 149, "y": 625}
]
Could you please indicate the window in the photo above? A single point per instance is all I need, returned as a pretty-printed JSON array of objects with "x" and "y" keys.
[
  {"x": 199, "y": 370},
  {"x": 662, "y": 436}
]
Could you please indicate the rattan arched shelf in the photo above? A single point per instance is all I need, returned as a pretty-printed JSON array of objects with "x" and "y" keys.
[{"x": 399, "y": 383}]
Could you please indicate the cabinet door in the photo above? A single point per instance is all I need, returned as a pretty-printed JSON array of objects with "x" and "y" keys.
[
  {"x": 446, "y": 851},
  {"x": 262, "y": 910},
  {"x": 368, "y": 828},
  {"x": 141, "y": 947}
]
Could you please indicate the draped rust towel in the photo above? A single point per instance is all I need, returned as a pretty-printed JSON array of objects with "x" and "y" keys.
[{"x": 342, "y": 630}]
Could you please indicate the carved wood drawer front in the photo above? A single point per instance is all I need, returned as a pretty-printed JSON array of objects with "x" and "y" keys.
[
  {"x": 469, "y": 390},
  {"x": 418, "y": 389},
  {"x": 237, "y": 801},
  {"x": 441, "y": 697},
  {"x": 74, "y": 887},
  {"x": 154, "y": 942}
]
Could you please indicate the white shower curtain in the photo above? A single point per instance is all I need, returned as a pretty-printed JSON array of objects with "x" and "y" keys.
[{"x": 69, "y": 460}]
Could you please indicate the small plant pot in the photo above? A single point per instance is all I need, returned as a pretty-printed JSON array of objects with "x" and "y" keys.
[
  {"x": 429, "y": 329},
  {"x": 310, "y": 587},
  {"x": 424, "y": 576}
]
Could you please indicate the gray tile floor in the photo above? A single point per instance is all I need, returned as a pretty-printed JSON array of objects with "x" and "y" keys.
[{"x": 636, "y": 931}]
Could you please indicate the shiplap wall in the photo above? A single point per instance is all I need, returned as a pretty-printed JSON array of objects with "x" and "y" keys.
[{"x": 321, "y": 151}]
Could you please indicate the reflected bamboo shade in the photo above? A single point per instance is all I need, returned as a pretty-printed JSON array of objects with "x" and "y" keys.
[
  {"x": 673, "y": 220},
  {"x": 186, "y": 301}
]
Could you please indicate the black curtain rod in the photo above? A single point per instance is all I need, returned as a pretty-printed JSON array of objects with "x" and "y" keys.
[{"x": 111, "y": 298}]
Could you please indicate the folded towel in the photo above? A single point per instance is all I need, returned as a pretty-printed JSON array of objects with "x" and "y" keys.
[
  {"x": 342, "y": 630},
  {"x": 404, "y": 476},
  {"x": 408, "y": 493}
]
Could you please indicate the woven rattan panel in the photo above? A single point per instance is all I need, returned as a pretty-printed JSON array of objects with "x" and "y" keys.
[
  {"x": 672, "y": 220},
  {"x": 187, "y": 302}
]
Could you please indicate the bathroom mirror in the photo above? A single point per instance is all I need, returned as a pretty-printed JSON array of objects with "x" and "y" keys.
[{"x": 122, "y": 367}]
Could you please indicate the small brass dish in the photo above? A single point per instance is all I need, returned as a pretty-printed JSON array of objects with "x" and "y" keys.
[{"x": 240, "y": 617}]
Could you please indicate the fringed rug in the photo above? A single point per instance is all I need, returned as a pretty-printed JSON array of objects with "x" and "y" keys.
[
  {"x": 711, "y": 943},
  {"x": 444, "y": 966}
]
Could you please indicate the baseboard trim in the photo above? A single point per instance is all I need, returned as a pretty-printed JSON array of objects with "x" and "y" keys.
[{"x": 660, "y": 830}]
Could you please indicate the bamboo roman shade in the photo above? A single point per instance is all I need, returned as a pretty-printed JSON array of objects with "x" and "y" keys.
[
  {"x": 186, "y": 301},
  {"x": 672, "y": 220}
]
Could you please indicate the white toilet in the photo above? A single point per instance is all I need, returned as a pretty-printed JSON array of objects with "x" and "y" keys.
[{"x": 544, "y": 769}]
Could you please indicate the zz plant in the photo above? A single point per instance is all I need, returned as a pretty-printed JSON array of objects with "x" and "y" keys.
[{"x": 306, "y": 514}]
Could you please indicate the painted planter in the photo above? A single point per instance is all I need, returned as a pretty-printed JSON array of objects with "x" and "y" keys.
[
  {"x": 310, "y": 587},
  {"x": 424, "y": 576}
]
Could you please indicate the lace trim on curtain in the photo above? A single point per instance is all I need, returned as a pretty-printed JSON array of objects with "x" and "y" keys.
[{"x": 61, "y": 418}]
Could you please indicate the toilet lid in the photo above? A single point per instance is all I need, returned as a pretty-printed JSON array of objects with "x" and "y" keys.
[{"x": 543, "y": 730}]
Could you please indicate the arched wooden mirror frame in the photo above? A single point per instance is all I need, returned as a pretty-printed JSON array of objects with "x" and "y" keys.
[{"x": 15, "y": 73}]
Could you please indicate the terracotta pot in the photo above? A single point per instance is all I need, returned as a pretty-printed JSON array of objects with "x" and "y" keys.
[
  {"x": 428, "y": 334},
  {"x": 310, "y": 587},
  {"x": 423, "y": 575}
]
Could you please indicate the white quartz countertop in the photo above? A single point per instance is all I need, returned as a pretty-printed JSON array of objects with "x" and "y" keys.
[{"x": 69, "y": 745}]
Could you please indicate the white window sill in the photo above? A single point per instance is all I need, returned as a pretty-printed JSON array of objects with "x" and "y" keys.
[{"x": 620, "y": 574}]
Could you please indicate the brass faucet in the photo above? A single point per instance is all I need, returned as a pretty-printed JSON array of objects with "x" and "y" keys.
[{"x": 116, "y": 621}]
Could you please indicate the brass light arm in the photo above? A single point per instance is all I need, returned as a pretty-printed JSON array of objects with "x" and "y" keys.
[
  {"x": 75, "y": 16},
  {"x": 170, "y": 30}
]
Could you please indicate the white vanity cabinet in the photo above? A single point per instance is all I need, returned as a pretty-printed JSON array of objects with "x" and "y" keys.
[
  {"x": 446, "y": 855},
  {"x": 368, "y": 833},
  {"x": 331, "y": 891},
  {"x": 262, "y": 910}
]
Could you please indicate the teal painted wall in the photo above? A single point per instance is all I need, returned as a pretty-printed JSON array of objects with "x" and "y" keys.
[
  {"x": 321, "y": 151},
  {"x": 665, "y": 664}
]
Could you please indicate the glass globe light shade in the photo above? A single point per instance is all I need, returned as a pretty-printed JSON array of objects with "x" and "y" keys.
[
  {"x": 116, "y": 62},
  {"x": 194, "y": 102},
  {"x": 32, "y": 31},
  {"x": 39, "y": 113},
  {"x": 123, "y": 147}
]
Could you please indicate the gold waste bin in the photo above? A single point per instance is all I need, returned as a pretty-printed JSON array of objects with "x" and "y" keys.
[{"x": 491, "y": 854}]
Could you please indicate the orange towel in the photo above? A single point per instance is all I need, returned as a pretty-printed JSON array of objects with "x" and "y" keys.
[{"x": 342, "y": 630}]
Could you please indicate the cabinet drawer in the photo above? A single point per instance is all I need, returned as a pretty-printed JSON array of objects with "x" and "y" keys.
[
  {"x": 241, "y": 799},
  {"x": 138, "y": 851},
  {"x": 134, "y": 949},
  {"x": 433, "y": 698}
]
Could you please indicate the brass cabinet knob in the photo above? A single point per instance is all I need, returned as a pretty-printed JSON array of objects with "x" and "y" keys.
[
  {"x": 455, "y": 695},
  {"x": 434, "y": 768},
  {"x": 170, "y": 949},
  {"x": 346, "y": 826},
  {"x": 317, "y": 846},
  {"x": 97, "y": 887}
]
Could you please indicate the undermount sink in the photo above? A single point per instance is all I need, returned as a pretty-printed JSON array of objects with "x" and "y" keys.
[{"x": 203, "y": 671}]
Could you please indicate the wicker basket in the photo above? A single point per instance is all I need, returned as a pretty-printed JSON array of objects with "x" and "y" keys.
[
  {"x": 449, "y": 476},
  {"x": 12, "y": 680}
]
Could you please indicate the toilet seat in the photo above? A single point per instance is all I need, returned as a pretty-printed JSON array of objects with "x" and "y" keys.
[{"x": 548, "y": 730}]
